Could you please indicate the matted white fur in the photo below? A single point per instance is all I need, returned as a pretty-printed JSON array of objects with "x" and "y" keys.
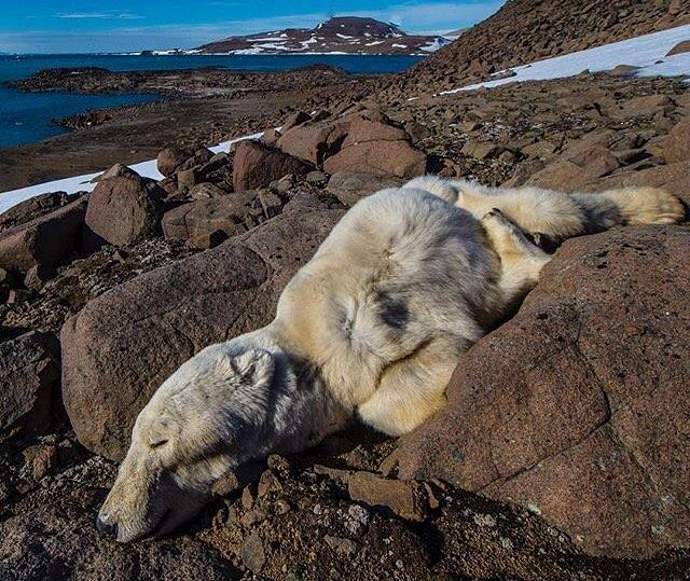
[{"x": 373, "y": 325}]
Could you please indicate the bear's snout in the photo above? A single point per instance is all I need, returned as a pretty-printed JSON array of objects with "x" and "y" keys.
[{"x": 104, "y": 527}]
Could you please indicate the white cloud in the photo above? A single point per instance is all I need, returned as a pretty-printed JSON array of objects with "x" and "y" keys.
[{"x": 100, "y": 15}]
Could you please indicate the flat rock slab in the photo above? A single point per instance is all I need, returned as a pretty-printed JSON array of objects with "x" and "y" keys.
[
  {"x": 124, "y": 344},
  {"x": 577, "y": 408}
]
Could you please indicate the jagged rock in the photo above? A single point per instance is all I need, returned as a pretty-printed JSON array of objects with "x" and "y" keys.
[
  {"x": 29, "y": 376},
  {"x": 46, "y": 240},
  {"x": 576, "y": 408},
  {"x": 123, "y": 210},
  {"x": 257, "y": 165},
  {"x": 481, "y": 149},
  {"x": 252, "y": 552},
  {"x": 122, "y": 345}
]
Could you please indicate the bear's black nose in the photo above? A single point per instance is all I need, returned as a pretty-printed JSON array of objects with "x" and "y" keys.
[{"x": 106, "y": 528}]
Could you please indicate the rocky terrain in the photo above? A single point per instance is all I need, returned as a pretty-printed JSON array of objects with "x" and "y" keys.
[
  {"x": 582, "y": 473},
  {"x": 562, "y": 453},
  {"x": 203, "y": 106},
  {"x": 338, "y": 35},
  {"x": 523, "y": 31}
]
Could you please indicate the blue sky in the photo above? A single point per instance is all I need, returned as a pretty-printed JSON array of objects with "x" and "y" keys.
[{"x": 51, "y": 26}]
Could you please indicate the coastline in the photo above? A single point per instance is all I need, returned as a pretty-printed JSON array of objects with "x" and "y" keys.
[{"x": 198, "y": 107}]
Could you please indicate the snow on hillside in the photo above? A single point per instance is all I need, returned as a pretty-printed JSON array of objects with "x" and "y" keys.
[
  {"x": 146, "y": 169},
  {"x": 647, "y": 52}
]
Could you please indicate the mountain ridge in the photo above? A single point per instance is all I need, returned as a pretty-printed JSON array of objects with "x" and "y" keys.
[{"x": 337, "y": 35}]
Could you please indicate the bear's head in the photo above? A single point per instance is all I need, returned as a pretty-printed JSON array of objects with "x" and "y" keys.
[{"x": 203, "y": 421}]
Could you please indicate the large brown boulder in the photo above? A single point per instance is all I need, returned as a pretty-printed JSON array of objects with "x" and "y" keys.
[
  {"x": 124, "y": 210},
  {"x": 46, "y": 240},
  {"x": 196, "y": 222},
  {"x": 257, "y": 165},
  {"x": 122, "y": 345},
  {"x": 577, "y": 408},
  {"x": 382, "y": 158},
  {"x": 29, "y": 376},
  {"x": 314, "y": 142}
]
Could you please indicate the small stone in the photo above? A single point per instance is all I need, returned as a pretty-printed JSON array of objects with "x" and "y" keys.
[
  {"x": 282, "y": 506},
  {"x": 40, "y": 460},
  {"x": 252, "y": 553},
  {"x": 247, "y": 498},
  {"x": 318, "y": 178},
  {"x": 342, "y": 546},
  {"x": 268, "y": 483}
]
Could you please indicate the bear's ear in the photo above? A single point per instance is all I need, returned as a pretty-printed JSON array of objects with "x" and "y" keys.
[{"x": 253, "y": 366}]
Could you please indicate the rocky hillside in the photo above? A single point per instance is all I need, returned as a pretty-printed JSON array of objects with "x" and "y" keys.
[
  {"x": 528, "y": 30},
  {"x": 339, "y": 35},
  {"x": 103, "y": 295}
]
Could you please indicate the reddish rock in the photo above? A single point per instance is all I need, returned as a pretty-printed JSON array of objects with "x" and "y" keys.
[
  {"x": 29, "y": 376},
  {"x": 124, "y": 344},
  {"x": 170, "y": 158},
  {"x": 577, "y": 407},
  {"x": 257, "y": 165},
  {"x": 681, "y": 48},
  {"x": 119, "y": 170},
  {"x": 294, "y": 120},
  {"x": 230, "y": 214},
  {"x": 123, "y": 211},
  {"x": 382, "y": 158},
  {"x": 677, "y": 144},
  {"x": 46, "y": 240},
  {"x": 406, "y": 499},
  {"x": 314, "y": 142}
]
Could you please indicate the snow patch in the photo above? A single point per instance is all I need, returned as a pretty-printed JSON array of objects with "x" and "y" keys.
[
  {"x": 146, "y": 169},
  {"x": 647, "y": 52}
]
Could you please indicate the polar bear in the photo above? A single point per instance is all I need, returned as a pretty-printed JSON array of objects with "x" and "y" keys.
[{"x": 373, "y": 326}]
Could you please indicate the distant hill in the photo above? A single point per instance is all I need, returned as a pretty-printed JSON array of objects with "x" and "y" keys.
[
  {"x": 523, "y": 31},
  {"x": 340, "y": 35}
]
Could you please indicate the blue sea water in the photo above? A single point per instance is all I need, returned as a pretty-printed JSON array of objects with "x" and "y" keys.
[{"x": 26, "y": 117}]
